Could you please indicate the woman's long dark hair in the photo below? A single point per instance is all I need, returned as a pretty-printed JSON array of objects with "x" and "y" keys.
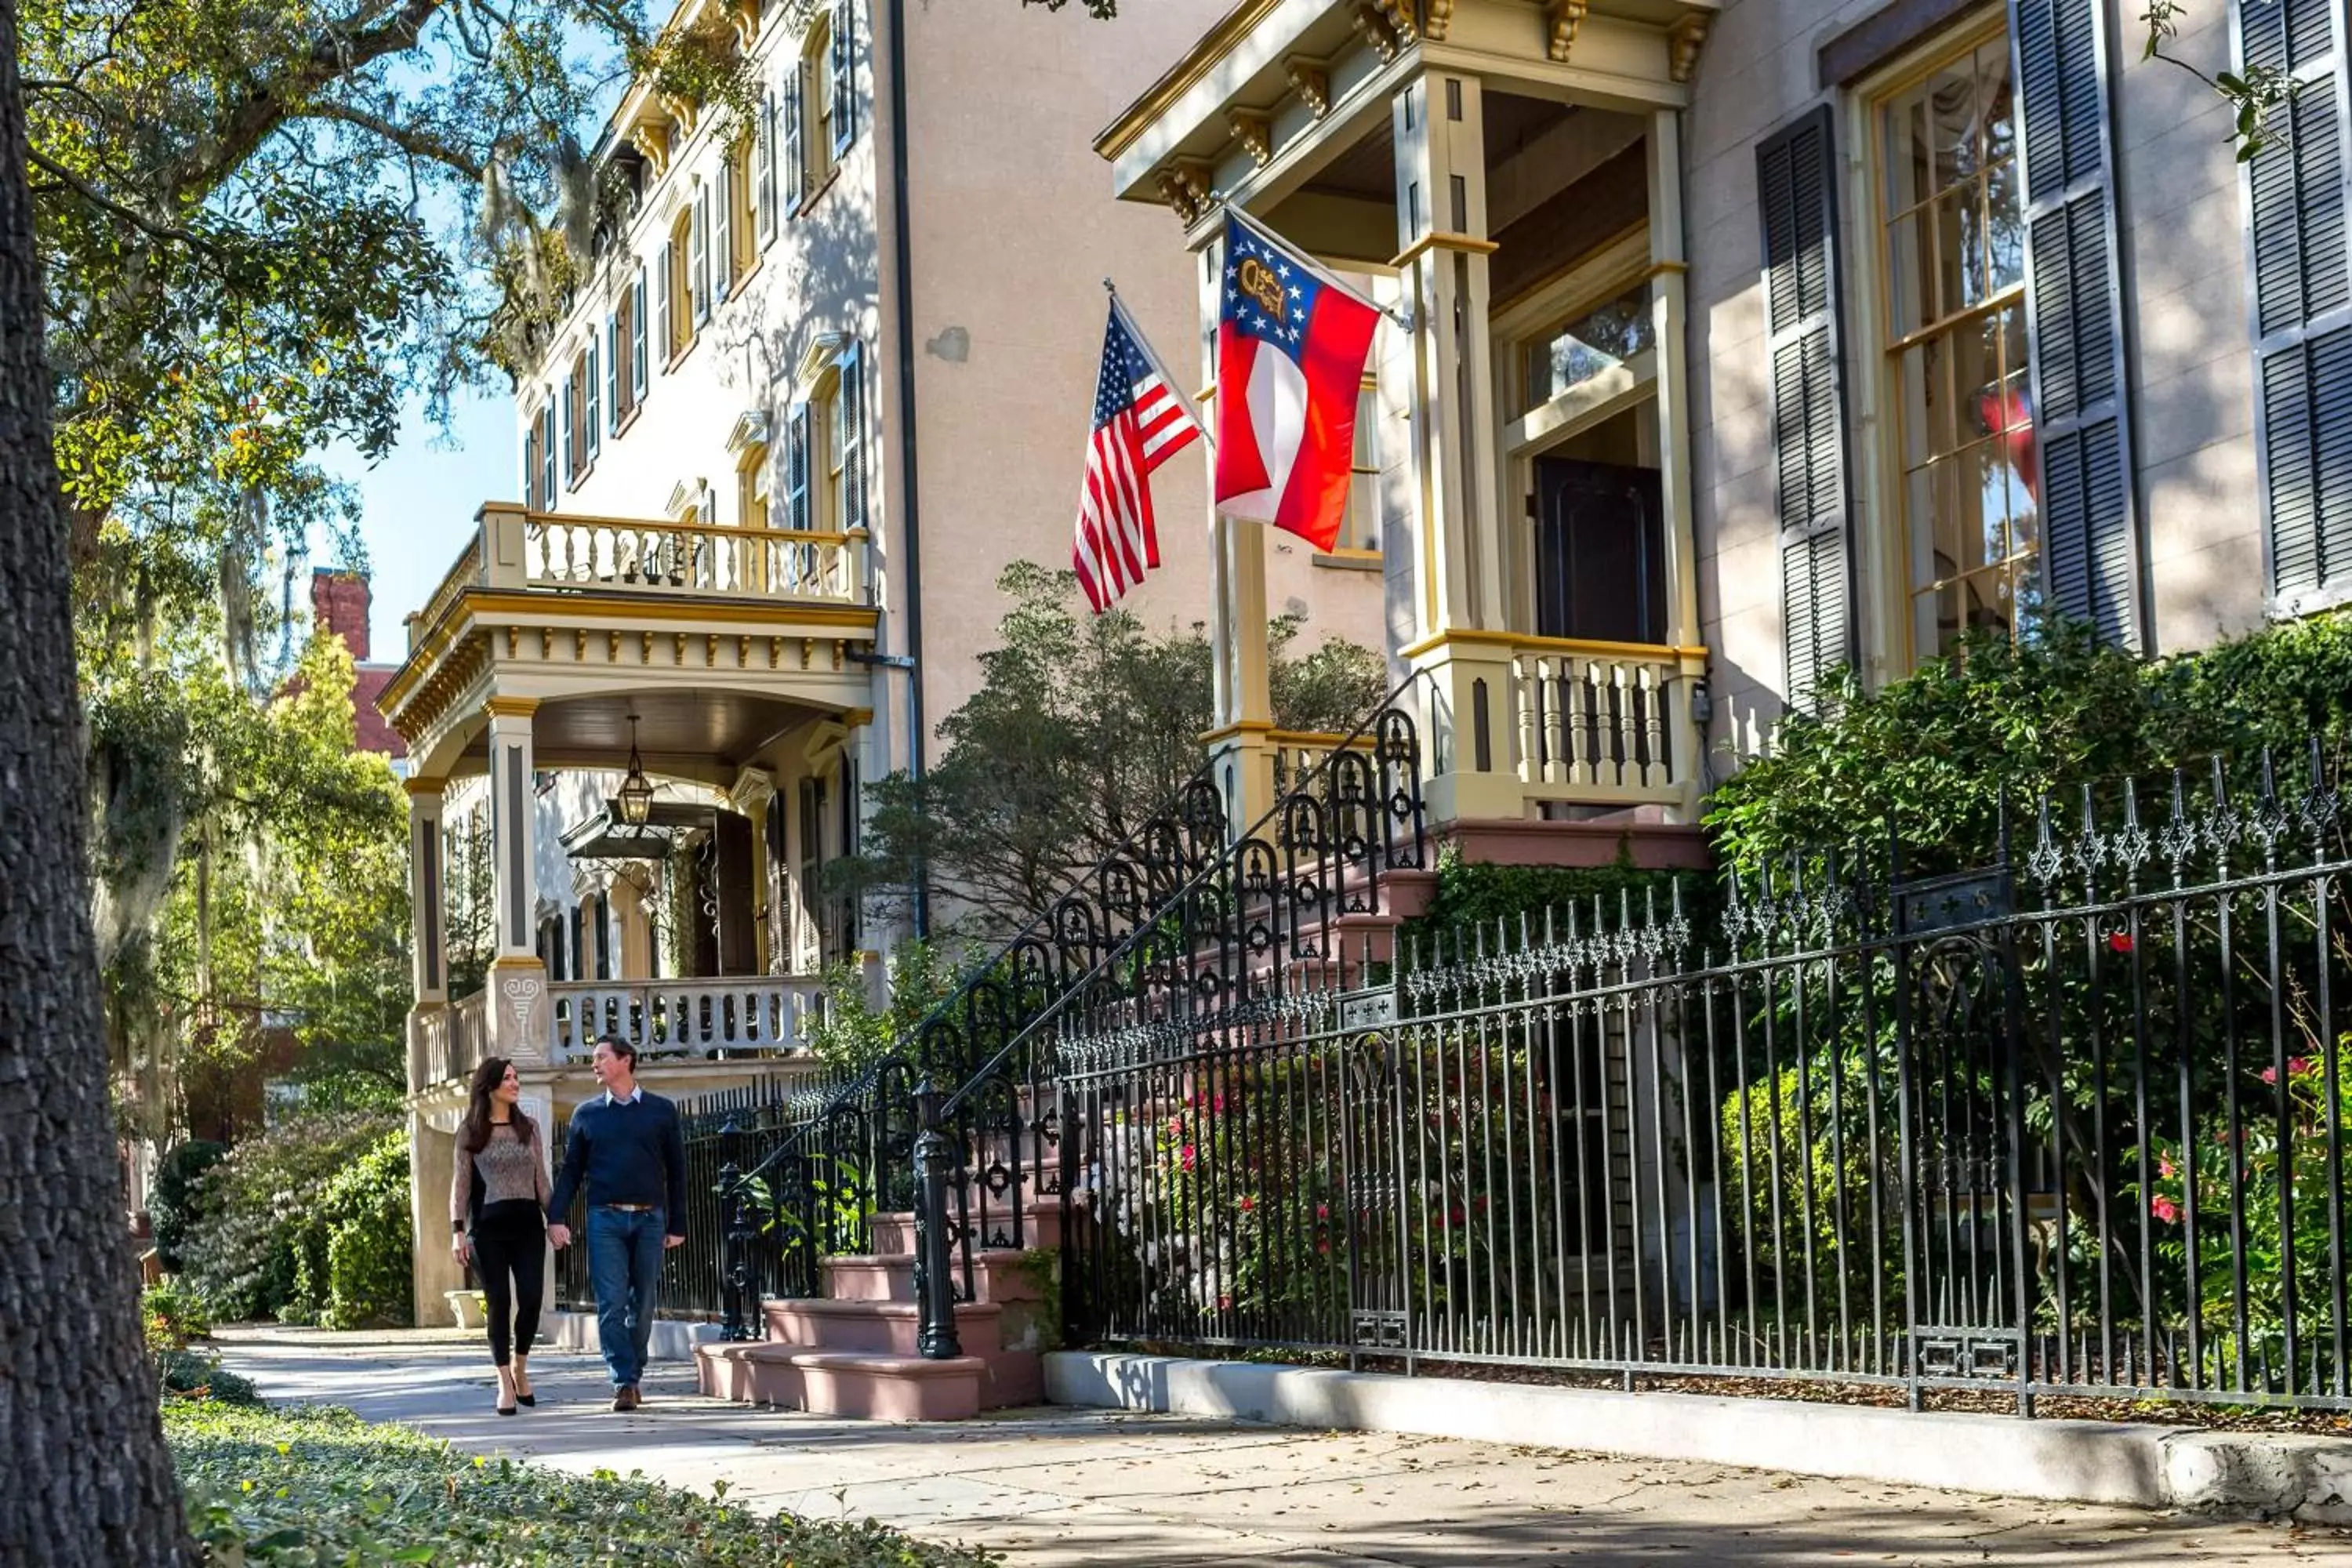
[{"x": 474, "y": 1132}]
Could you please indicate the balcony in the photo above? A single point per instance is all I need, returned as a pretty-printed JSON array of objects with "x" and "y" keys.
[
  {"x": 590, "y": 618},
  {"x": 709, "y": 1020}
]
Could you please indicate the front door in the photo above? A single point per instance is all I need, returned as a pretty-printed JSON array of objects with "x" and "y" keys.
[{"x": 1600, "y": 552}]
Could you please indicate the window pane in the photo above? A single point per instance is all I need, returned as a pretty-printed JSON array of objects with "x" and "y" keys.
[
  {"x": 1911, "y": 280},
  {"x": 1961, "y": 246},
  {"x": 1599, "y": 339}
]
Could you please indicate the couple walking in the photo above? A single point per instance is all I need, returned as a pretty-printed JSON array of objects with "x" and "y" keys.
[{"x": 626, "y": 1147}]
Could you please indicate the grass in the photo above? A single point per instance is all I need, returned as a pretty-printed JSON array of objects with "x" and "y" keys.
[{"x": 298, "y": 1487}]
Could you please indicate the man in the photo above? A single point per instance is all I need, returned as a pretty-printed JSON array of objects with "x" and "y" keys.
[{"x": 627, "y": 1146}]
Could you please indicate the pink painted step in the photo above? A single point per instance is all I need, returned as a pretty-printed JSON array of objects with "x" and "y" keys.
[
  {"x": 856, "y": 1384},
  {"x": 1041, "y": 1226},
  {"x": 997, "y": 1276},
  {"x": 889, "y": 1327}
]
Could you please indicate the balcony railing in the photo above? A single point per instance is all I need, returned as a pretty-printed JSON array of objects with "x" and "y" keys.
[
  {"x": 752, "y": 1015},
  {"x": 448, "y": 1042},
  {"x": 514, "y": 550},
  {"x": 1603, "y": 722}
]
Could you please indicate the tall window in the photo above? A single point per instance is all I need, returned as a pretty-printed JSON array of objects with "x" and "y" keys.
[
  {"x": 1954, "y": 338},
  {"x": 751, "y": 483},
  {"x": 677, "y": 287},
  {"x": 767, "y": 153},
  {"x": 698, "y": 233},
  {"x": 593, "y": 384},
  {"x": 547, "y": 452},
  {"x": 743, "y": 246},
  {"x": 635, "y": 332}
]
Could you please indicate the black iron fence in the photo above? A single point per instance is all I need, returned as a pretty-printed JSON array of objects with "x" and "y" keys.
[{"x": 2069, "y": 1122}]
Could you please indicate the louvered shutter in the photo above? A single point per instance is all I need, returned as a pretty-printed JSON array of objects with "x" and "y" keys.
[
  {"x": 767, "y": 153},
  {"x": 853, "y": 437},
  {"x": 2074, "y": 309},
  {"x": 796, "y": 160},
  {"x": 531, "y": 465},
  {"x": 571, "y": 430},
  {"x": 637, "y": 335},
  {"x": 796, "y": 468},
  {"x": 614, "y": 380},
  {"x": 592, "y": 422},
  {"x": 665, "y": 295},
  {"x": 698, "y": 247},
  {"x": 1797, "y": 193},
  {"x": 547, "y": 452},
  {"x": 2303, "y": 306},
  {"x": 722, "y": 238},
  {"x": 845, "y": 75}
]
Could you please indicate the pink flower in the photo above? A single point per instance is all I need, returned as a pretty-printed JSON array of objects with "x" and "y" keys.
[
  {"x": 1323, "y": 1247},
  {"x": 2164, "y": 1167},
  {"x": 1322, "y": 1211},
  {"x": 1224, "y": 1303},
  {"x": 2164, "y": 1208},
  {"x": 2120, "y": 942},
  {"x": 1218, "y": 1103},
  {"x": 1175, "y": 1127},
  {"x": 2270, "y": 1075},
  {"x": 1186, "y": 1155},
  {"x": 2297, "y": 1067},
  {"x": 1248, "y": 1202}
]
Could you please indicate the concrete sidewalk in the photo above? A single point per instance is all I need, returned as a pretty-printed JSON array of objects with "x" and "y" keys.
[{"x": 1055, "y": 1489}]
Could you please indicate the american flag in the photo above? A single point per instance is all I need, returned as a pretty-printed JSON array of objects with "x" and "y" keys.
[{"x": 1140, "y": 423}]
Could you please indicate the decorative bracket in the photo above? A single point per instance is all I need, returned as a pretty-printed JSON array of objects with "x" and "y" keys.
[
  {"x": 1255, "y": 132},
  {"x": 646, "y": 136},
  {"x": 1436, "y": 20},
  {"x": 1313, "y": 82},
  {"x": 1682, "y": 42},
  {"x": 1372, "y": 21},
  {"x": 1186, "y": 186},
  {"x": 1565, "y": 16}
]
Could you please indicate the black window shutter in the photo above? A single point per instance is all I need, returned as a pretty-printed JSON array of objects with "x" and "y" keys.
[
  {"x": 1797, "y": 193},
  {"x": 2302, "y": 307},
  {"x": 2073, "y": 315}
]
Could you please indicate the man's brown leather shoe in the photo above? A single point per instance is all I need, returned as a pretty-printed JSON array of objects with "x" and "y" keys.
[
  {"x": 630, "y": 1395},
  {"x": 625, "y": 1397}
]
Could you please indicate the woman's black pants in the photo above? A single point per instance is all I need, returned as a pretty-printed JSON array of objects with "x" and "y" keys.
[{"x": 510, "y": 1241}]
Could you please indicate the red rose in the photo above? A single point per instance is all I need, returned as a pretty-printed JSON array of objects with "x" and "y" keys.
[
  {"x": 2164, "y": 1208},
  {"x": 2120, "y": 942}
]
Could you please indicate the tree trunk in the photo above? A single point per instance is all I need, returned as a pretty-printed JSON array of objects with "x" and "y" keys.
[{"x": 87, "y": 1479}]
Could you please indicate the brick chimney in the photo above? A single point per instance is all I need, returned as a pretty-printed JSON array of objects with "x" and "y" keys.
[{"x": 339, "y": 604}]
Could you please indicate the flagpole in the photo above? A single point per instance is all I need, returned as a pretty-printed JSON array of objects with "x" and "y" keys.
[
  {"x": 1402, "y": 318},
  {"x": 1175, "y": 387}
]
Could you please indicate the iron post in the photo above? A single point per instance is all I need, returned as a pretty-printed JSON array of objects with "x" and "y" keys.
[{"x": 934, "y": 1271}]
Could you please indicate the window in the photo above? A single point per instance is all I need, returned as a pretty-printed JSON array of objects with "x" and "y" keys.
[
  {"x": 822, "y": 100},
  {"x": 665, "y": 300},
  {"x": 1567, "y": 356},
  {"x": 615, "y": 380},
  {"x": 633, "y": 306},
  {"x": 821, "y": 103},
  {"x": 572, "y": 443},
  {"x": 742, "y": 248},
  {"x": 698, "y": 233},
  {"x": 680, "y": 272},
  {"x": 795, "y": 153},
  {"x": 531, "y": 463},
  {"x": 841, "y": 79},
  {"x": 1953, "y": 337},
  {"x": 592, "y": 421},
  {"x": 825, "y": 466},
  {"x": 751, "y": 483},
  {"x": 547, "y": 452},
  {"x": 1361, "y": 528}
]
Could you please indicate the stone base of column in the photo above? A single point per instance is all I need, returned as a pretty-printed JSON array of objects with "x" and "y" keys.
[{"x": 521, "y": 1014}]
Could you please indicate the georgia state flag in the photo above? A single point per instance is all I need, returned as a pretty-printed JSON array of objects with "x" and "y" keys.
[{"x": 1291, "y": 346}]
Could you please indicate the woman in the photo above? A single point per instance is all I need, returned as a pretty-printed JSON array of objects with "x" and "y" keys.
[{"x": 500, "y": 1187}]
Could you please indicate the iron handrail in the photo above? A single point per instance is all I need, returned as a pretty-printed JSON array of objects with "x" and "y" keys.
[{"x": 1199, "y": 879}]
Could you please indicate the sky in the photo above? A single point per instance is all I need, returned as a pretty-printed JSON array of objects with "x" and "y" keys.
[{"x": 418, "y": 503}]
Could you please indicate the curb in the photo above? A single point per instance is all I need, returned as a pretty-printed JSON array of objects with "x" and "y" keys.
[
  {"x": 2120, "y": 1463},
  {"x": 674, "y": 1339}
]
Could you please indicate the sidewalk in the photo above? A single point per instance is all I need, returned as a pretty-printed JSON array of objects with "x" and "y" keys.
[{"x": 1058, "y": 1488}]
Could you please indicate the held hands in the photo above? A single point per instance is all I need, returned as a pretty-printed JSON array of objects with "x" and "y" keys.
[
  {"x": 670, "y": 1241},
  {"x": 462, "y": 1248},
  {"x": 560, "y": 1236}
]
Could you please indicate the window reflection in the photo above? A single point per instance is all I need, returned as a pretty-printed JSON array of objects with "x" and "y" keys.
[
  {"x": 1954, "y": 336},
  {"x": 1599, "y": 339}
]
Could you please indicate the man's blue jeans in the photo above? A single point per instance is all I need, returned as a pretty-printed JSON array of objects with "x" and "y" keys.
[{"x": 624, "y": 1260}]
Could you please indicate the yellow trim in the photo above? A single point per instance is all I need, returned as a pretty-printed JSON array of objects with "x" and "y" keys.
[
  {"x": 499, "y": 964},
  {"x": 1442, "y": 239},
  {"x": 413, "y": 787},
  {"x": 856, "y": 718},
  {"x": 1194, "y": 64},
  {"x": 1527, "y": 642},
  {"x": 1237, "y": 729}
]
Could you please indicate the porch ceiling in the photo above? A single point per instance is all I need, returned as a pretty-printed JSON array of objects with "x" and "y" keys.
[{"x": 699, "y": 734}]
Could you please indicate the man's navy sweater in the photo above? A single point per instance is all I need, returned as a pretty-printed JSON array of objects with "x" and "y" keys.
[{"x": 630, "y": 1152}]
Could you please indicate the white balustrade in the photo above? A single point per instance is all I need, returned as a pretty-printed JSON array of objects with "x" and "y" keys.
[
  {"x": 448, "y": 1042},
  {"x": 562, "y": 552},
  {"x": 750, "y": 1013},
  {"x": 1602, "y": 723}
]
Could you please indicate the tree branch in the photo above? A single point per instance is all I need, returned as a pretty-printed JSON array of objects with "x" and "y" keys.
[
  {"x": 416, "y": 144},
  {"x": 166, "y": 233}
]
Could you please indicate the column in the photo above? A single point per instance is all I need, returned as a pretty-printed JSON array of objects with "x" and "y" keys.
[
  {"x": 1463, "y": 606},
  {"x": 1670, "y": 314},
  {"x": 432, "y": 1267},
  {"x": 519, "y": 1009},
  {"x": 1241, "y": 746},
  {"x": 428, "y": 960}
]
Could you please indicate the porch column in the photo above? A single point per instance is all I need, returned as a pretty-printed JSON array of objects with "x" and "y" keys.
[
  {"x": 518, "y": 1012},
  {"x": 428, "y": 961},
  {"x": 754, "y": 791},
  {"x": 1241, "y": 746},
  {"x": 434, "y": 1270},
  {"x": 1442, "y": 250},
  {"x": 1669, "y": 315}
]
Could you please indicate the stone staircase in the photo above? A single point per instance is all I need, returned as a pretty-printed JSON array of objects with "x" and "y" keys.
[{"x": 855, "y": 1352}]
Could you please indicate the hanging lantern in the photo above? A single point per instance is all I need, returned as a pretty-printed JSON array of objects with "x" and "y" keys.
[{"x": 637, "y": 790}]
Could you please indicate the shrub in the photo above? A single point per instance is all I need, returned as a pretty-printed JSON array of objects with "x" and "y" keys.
[
  {"x": 172, "y": 1315},
  {"x": 369, "y": 1244},
  {"x": 1938, "y": 752},
  {"x": 260, "y": 1247},
  {"x": 316, "y": 1486},
  {"x": 173, "y": 1206},
  {"x": 186, "y": 1375}
]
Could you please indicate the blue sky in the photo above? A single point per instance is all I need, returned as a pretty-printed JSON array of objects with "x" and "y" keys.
[{"x": 418, "y": 503}]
